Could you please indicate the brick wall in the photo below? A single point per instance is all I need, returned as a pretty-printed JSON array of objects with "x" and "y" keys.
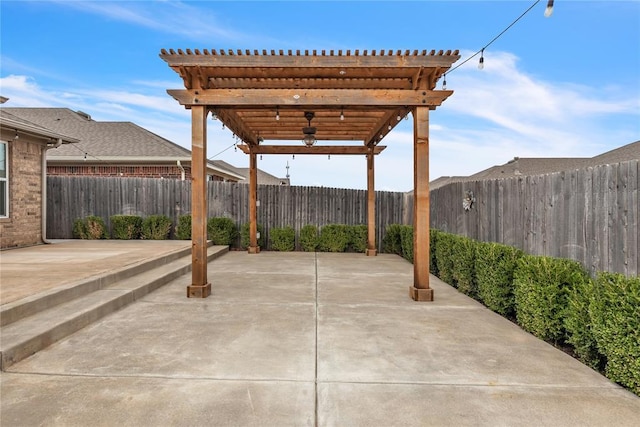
[{"x": 23, "y": 226}]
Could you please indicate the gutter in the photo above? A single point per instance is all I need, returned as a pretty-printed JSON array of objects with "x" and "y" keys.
[{"x": 43, "y": 226}]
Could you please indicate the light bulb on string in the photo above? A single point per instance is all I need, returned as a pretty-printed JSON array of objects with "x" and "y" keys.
[
  {"x": 444, "y": 81},
  {"x": 549, "y": 10},
  {"x": 342, "y": 114},
  {"x": 277, "y": 113},
  {"x": 260, "y": 156},
  {"x": 481, "y": 63}
]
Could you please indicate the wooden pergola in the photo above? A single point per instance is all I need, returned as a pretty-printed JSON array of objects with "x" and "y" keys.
[{"x": 333, "y": 97}]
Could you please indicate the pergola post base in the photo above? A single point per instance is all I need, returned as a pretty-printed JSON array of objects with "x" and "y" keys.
[
  {"x": 371, "y": 252},
  {"x": 254, "y": 249},
  {"x": 199, "y": 291},
  {"x": 418, "y": 294}
]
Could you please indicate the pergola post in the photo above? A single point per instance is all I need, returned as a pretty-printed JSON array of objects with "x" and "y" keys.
[
  {"x": 200, "y": 287},
  {"x": 420, "y": 290},
  {"x": 371, "y": 206},
  {"x": 253, "y": 203}
]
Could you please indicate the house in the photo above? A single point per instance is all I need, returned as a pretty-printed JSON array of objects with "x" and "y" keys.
[
  {"x": 114, "y": 148},
  {"x": 23, "y": 151},
  {"x": 264, "y": 178},
  {"x": 526, "y": 166}
]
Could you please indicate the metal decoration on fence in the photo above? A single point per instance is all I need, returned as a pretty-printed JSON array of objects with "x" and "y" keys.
[{"x": 468, "y": 200}]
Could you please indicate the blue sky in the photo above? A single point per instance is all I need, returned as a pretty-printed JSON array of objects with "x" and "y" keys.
[{"x": 564, "y": 86}]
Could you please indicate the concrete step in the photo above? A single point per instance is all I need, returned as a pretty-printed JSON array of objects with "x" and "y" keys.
[
  {"x": 30, "y": 334},
  {"x": 26, "y": 307}
]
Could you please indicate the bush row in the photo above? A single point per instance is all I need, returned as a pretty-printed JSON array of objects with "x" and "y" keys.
[
  {"x": 223, "y": 231},
  {"x": 553, "y": 298}
]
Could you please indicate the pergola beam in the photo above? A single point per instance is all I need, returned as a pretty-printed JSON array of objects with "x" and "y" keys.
[
  {"x": 316, "y": 149},
  {"x": 309, "y": 97}
]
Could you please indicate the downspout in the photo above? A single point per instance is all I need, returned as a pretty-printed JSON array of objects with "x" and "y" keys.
[{"x": 43, "y": 236}]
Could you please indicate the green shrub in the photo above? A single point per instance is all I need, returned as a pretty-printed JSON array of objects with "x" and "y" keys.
[
  {"x": 444, "y": 257},
  {"x": 392, "y": 240},
  {"x": 334, "y": 238},
  {"x": 495, "y": 265},
  {"x": 309, "y": 238},
  {"x": 406, "y": 241},
  {"x": 245, "y": 238},
  {"x": 126, "y": 227},
  {"x": 358, "y": 235},
  {"x": 464, "y": 257},
  {"x": 156, "y": 227},
  {"x": 222, "y": 231},
  {"x": 183, "y": 229},
  {"x": 580, "y": 327},
  {"x": 615, "y": 313},
  {"x": 433, "y": 243},
  {"x": 92, "y": 228},
  {"x": 541, "y": 288},
  {"x": 282, "y": 239}
]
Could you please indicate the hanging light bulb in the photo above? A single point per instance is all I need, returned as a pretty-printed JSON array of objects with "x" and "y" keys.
[
  {"x": 85, "y": 156},
  {"x": 260, "y": 156},
  {"x": 444, "y": 81},
  {"x": 389, "y": 127},
  {"x": 342, "y": 114},
  {"x": 235, "y": 148},
  {"x": 399, "y": 117},
  {"x": 293, "y": 156},
  {"x": 549, "y": 10},
  {"x": 328, "y": 156},
  {"x": 277, "y": 113},
  {"x": 481, "y": 63}
]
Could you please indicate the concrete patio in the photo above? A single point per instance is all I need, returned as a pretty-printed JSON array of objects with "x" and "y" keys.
[{"x": 305, "y": 339}]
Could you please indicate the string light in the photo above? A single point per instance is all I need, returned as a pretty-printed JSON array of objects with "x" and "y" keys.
[
  {"x": 260, "y": 156},
  {"x": 342, "y": 114},
  {"x": 293, "y": 156},
  {"x": 444, "y": 81},
  {"x": 481, "y": 51},
  {"x": 277, "y": 113},
  {"x": 481, "y": 62},
  {"x": 17, "y": 136},
  {"x": 549, "y": 10},
  {"x": 399, "y": 117}
]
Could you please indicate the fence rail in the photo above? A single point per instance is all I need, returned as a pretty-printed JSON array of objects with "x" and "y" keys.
[{"x": 589, "y": 215}]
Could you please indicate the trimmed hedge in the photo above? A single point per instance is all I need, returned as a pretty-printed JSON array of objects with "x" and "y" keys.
[
  {"x": 183, "y": 229},
  {"x": 541, "y": 289},
  {"x": 126, "y": 227},
  {"x": 358, "y": 238},
  {"x": 222, "y": 231},
  {"x": 615, "y": 313},
  {"x": 91, "y": 228},
  {"x": 463, "y": 268},
  {"x": 406, "y": 239},
  {"x": 495, "y": 266},
  {"x": 444, "y": 258},
  {"x": 283, "y": 238},
  {"x": 156, "y": 227},
  {"x": 309, "y": 238},
  {"x": 580, "y": 327},
  {"x": 245, "y": 237},
  {"x": 392, "y": 240},
  {"x": 334, "y": 238}
]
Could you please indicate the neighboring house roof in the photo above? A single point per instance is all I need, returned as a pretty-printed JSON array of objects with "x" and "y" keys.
[
  {"x": 123, "y": 142},
  {"x": 264, "y": 178},
  {"x": 528, "y": 166},
  {"x": 524, "y": 166},
  {"x": 621, "y": 154},
  {"x": 10, "y": 121}
]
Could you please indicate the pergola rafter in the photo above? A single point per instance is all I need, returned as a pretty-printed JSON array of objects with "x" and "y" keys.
[{"x": 263, "y": 96}]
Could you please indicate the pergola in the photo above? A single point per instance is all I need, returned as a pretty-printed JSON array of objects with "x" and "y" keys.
[{"x": 328, "y": 96}]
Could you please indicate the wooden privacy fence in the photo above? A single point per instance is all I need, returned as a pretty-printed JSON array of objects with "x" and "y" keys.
[
  {"x": 589, "y": 215},
  {"x": 69, "y": 198}
]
